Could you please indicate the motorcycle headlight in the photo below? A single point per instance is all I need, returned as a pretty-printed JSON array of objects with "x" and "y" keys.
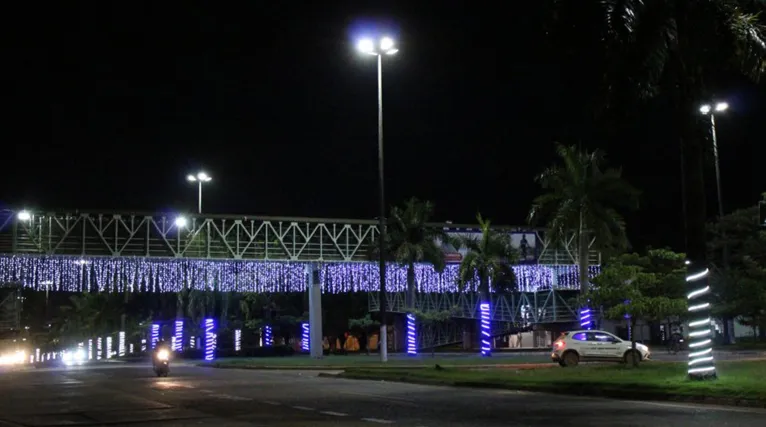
[{"x": 163, "y": 355}]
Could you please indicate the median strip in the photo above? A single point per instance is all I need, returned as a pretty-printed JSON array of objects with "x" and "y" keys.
[{"x": 739, "y": 383}]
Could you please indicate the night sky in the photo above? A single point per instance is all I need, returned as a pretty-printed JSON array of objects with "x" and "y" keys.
[{"x": 277, "y": 106}]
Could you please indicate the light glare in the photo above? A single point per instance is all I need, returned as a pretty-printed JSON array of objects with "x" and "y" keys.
[
  {"x": 24, "y": 216},
  {"x": 705, "y": 109},
  {"x": 180, "y": 222},
  {"x": 721, "y": 106},
  {"x": 366, "y": 45},
  {"x": 386, "y": 43}
]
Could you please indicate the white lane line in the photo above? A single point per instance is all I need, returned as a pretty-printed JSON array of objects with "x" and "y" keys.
[
  {"x": 230, "y": 397},
  {"x": 335, "y": 414},
  {"x": 303, "y": 408},
  {"x": 270, "y": 402},
  {"x": 377, "y": 420}
]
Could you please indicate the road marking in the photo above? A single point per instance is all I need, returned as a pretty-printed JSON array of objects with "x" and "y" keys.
[
  {"x": 269, "y": 402},
  {"x": 377, "y": 420},
  {"x": 230, "y": 397},
  {"x": 303, "y": 408},
  {"x": 335, "y": 414}
]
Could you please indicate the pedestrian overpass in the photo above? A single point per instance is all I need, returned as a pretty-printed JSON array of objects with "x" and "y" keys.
[{"x": 166, "y": 252}]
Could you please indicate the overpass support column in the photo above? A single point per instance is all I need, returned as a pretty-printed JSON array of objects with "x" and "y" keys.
[{"x": 315, "y": 311}]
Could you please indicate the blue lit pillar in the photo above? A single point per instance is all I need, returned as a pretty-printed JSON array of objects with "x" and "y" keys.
[
  {"x": 266, "y": 338},
  {"x": 210, "y": 339},
  {"x": 412, "y": 339},
  {"x": 315, "y": 312},
  {"x": 701, "y": 363},
  {"x": 155, "y": 335},
  {"x": 237, "y": 340},
  {"x": 178, "y": 335},
  {"x": 485, "y": 326},
  {"x": 586, "y": 322},
  {"x": 305, "y": 334}
]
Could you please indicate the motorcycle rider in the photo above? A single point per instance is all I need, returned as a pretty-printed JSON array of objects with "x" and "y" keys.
[{"x": 161, "y": 345}]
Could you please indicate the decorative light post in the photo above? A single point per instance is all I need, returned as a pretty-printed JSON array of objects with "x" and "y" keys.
[
  {"x": 385, "y": 46},
  {"x": 200, "y": 179},
  {"x": 701, "y": 364}
]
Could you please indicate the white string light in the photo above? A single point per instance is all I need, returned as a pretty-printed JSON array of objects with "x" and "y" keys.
[
  {"x": 121, "y": 344},
  {"x": 237, "y": 339},
  {"x": 701, "y": 362}
]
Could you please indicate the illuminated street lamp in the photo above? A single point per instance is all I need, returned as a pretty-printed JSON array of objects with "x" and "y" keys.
[
  {"x": 24, "y": 216},
  {"x": 384, "y": 46},
  {"x": 180, "y": 222},
  {"x": 711, "y": 110},
  {"x": 200, "y": 178}
]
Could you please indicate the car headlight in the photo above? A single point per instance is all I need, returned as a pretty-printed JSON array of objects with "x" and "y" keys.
[{"x": 163, "y": 355}]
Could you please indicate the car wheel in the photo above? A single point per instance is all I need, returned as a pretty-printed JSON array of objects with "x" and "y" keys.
[
  {"x": 571, "y": 359},
  {"x": 632, "y": 357},
  {"x": 561, "y": 363}
]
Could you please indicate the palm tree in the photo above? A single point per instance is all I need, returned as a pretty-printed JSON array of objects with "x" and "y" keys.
[
  {"x": 581, "y": 198},
  {"x": 411, "y": 241},
  {"x": 678, "y": 50},
  {"x": 487, "y": 263}
]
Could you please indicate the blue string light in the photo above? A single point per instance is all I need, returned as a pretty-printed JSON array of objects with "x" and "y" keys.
[
  {"x": 135, "y": 274},
  {"x": 237, "y": 339},
  {"x": 155, "y": 335},
  {"x": 486, "y": 336},
  {"x": 411, "y": 335},
  {"x": 305, "y": 337},
  {"x": 266, "y": 339},
  {"x": 210, "y": 339},
  {"x": 178, "y": 344},
  {"x": 701, "y": 363},
  {"x": 586, "y": 322}
]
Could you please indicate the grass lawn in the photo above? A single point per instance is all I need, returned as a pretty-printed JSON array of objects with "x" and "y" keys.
[
  {"x": 737, "y": 383},
  {"x": 373, "y": 361}
]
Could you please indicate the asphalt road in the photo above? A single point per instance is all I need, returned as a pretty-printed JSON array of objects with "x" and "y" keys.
[{"x": 129, "y": 395}]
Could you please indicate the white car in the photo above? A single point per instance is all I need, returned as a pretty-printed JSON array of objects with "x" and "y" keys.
[{"x": 574, "y": 347}]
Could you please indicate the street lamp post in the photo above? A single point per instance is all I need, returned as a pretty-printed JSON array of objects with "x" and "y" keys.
[
  {"x": 385, "y": 46},
  {"x": 711, "y": 110},
  {"x": 200, "y": 178}
]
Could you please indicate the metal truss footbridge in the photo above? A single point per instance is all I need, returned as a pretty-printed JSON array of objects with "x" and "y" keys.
[{"x": 165, "y": 252}]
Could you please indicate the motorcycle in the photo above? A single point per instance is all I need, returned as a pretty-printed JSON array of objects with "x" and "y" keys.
[{"x": 162, "y": 363}]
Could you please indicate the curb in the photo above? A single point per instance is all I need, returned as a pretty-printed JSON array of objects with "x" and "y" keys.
[
  {"x": 346, "y": 367},
  {"x": 591, "y": 391}
]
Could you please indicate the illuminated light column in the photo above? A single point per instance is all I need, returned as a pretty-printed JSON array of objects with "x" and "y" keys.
[
  {"x": 210, "y": 339},
  {"x": 37, "y": 355},
  {"x": 178, "y": 336},
  {"x": 585, "y": 319},
  {"x": 701, "y": 363},
  {"x": 305, "y": 334},
  {"x": 237, "y": 339},
  {"x": 192, "y": 342},
  {"x": 130, "y": 348},
  {"x": 143, "y": 344},
  {"x": 121, "y": 344},
  {"x": 266, "y": 339},
  {"x": 486, "y": 337},
  {"x": 412, "y": 339},
  {"x": 99, "y": 347},
  {"x": 109, "y": 347},
  {"x": 90, "y": 349},
  {"x": 155, "y": 335},
  {"x": 315, "y": 311}
]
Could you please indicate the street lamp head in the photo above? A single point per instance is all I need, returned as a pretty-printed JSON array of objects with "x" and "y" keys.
[
  {"x": 721, "y": 106},
  {"x": 366, "y": 46},
  {"x": 386, "y": 45},
  {"x": 705, "y": 109},
  {"x": 191, "y": 178},
  {"x": 202, "y": 176},
  {"x": 180, "y": 222},
  {"x": 24, "y": 216}
]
